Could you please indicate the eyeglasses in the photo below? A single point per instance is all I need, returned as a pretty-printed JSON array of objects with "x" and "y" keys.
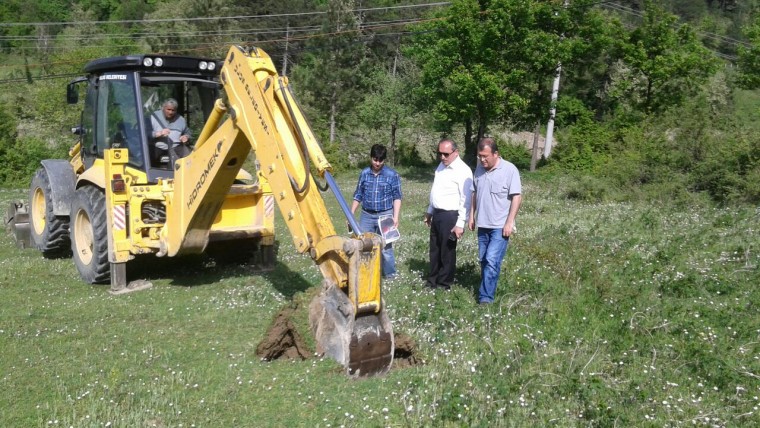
[
  {"x": 444, "y": 154},
  {"x": 482, "y": 157}
]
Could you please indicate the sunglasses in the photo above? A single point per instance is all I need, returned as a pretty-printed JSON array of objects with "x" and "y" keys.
[{"x": 444, "y": 154}]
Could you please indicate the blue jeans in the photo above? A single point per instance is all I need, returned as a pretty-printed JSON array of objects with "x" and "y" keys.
[
  {"x": 492, "y": 247},
  {"x": 368, "y": 223}
]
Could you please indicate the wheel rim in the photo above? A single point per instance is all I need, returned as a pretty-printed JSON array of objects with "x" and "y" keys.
[
  {"x": 83, "y": 237},
  {"x": 38, "y": 211}
]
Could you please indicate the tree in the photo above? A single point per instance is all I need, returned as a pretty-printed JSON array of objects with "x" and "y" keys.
[
  {"x": 389, "y": 105},
  {"x": 484, "y": 61},
  {"x": 334, "y": 70},
  {"x": 749, "y": 57},
  {"x": 661, "y": 64}
]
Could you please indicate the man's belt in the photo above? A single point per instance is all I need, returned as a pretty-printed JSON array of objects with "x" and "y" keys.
[{"x": 374, "y": 211}]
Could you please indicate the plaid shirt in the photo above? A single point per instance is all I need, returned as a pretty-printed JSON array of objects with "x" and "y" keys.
[{"x": 377, "y": 192}]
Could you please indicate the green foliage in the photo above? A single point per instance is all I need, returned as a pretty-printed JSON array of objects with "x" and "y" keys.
[
  {"x": 23, "y": 158},
  {"x": 591, "y": 189},
  {"x": 515, "y": 153},
  {"x": 585, "y": 146},
  {"x": 407, "y": 155},
  {"x": 21, "y": 155},
  {"x": 661, "y": 65},
  {"x": 336, "y": 155},
  {"x": 483, "y": 61}
]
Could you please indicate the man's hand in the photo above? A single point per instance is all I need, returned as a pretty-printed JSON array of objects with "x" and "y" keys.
[
  {"x": 183, "y": 139},
  {"x": 427, "y": 219}
]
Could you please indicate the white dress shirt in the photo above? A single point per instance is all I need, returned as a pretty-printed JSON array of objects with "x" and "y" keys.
[{"x": 451, "y": 190}]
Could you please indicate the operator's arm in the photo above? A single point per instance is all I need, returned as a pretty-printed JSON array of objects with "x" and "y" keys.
[
  {"x": 509, "y": 226},
  {"x": 185, "y": 135}
]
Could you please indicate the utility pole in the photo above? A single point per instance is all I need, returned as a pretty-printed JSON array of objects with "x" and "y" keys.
[
  {"x": 285, "y": 55},
  {"x": 552, "y": 114},
  {"x": 553, "y": 108}
]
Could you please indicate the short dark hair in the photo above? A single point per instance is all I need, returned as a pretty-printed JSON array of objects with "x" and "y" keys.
[
  {"x": 378, "y": 151},
  {"x": 488, "y": 142},
  {"x": 446, "y": 140}
]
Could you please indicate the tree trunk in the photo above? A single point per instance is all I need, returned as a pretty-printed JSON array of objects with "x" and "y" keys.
[
  {"x": 394, "y": 127},
  {"x": 394, "y": 123},
  {"x": 469, "y": 150},
  {"x": 333, "y": 110}
]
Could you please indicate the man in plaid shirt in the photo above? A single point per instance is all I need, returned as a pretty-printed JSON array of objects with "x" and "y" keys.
[{"x": 379, "y": 194}]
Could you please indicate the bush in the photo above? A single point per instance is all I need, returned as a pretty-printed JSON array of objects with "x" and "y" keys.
[
  {"x": 407, "y": 155},
  {"x": 21, "y": 158},
  {"x": 585, "y": 147},
  {"x": 515, "y": 153}
]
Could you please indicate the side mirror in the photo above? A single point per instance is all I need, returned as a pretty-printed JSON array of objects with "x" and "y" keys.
[
  {"x": 72, "y": 94},
  {"x": 72, "y": 90}
]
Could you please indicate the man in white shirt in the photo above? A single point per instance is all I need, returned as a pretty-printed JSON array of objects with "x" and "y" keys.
[{"x": 447, "y": 213}]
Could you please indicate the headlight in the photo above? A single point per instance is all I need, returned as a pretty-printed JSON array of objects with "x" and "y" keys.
[
  {"x": 203, "y": 65},
  {"x": 211, "y": 66},
  {"x": 147, "y": 61},
  {"x": 159, "y": 62}
]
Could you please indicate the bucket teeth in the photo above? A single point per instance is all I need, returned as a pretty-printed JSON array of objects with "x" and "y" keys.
[
  {"x": 371, "y": 348},
  {"x": 363, "y": 345}
]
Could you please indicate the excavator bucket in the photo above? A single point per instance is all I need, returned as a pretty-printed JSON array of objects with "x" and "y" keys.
[
  {"x": 363, "y": 344},
  {"x": 17, "y": 222}
]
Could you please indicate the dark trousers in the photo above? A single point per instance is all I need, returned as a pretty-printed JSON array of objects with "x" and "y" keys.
[{"x": 443, "y": 251}]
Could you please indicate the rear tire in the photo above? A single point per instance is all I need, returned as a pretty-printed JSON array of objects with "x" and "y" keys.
[
  {"x": 49, "y": 233},
  {"x": 89, "y": 235}
]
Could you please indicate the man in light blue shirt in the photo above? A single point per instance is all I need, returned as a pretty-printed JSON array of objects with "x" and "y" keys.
[{"x": 495, "y": 202}]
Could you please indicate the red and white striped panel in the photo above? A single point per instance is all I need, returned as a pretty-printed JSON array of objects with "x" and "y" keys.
[
  {"x": 269, "y": 205},
  {"x": 119, "y": 217}
]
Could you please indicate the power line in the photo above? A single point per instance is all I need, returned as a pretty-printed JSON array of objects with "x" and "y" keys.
[
  {"x": 213, "y": 18},
  {"x": 205, "y": 46}
]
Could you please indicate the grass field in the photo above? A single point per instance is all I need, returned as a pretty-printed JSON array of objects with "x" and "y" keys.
[{"x": 607, "y": 314}]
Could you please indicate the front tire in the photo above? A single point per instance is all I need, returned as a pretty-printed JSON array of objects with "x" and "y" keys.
[
  {"x": 49, "y": 232},
  {"x": 89, "y": 235}
]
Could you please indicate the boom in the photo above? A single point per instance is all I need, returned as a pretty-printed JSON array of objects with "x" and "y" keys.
[{"x": 264, "y": 116}]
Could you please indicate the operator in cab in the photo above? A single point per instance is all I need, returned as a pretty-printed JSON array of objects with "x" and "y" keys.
[{"x": 170, "y": 129}]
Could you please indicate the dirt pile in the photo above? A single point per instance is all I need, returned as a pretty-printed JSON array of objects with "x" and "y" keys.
[
  {"x": 282, "y": 340},
  {"x": 405, "y": 352}
]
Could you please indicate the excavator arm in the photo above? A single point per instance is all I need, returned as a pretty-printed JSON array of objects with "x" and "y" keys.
[{"x": 348, "y": 317}]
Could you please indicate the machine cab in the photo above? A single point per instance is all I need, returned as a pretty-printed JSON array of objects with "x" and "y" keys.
[{"x": 123, "y": 107}]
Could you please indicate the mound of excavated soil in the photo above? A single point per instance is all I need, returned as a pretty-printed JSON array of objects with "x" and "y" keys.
[
  {"x": 405, "y": 352},
  {"x": 282, "y": 339}
]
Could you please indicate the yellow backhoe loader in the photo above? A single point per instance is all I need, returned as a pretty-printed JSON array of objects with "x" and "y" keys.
[{"x": 123, "y": 193}]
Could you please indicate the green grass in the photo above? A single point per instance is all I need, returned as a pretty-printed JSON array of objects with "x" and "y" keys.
[{"x": 607, "y": 314}]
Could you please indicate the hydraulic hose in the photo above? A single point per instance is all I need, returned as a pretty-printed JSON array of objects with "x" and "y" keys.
[{"x": 342, "y": 202}]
